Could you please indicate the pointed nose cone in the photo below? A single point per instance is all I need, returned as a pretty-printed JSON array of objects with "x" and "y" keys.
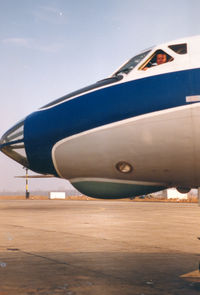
[{"x": 12, "y": 144}]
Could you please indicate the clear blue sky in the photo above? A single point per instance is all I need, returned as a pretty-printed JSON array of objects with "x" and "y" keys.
[{"x": 51, "y": 47}]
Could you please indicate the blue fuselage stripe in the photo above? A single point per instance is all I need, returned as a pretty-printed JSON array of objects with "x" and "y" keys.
[{"x": 42, "y": 129}]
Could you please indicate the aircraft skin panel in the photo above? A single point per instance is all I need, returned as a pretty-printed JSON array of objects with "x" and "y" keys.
[
  {"x": 161, "y": 147},
  {"x": 43, "y": 129}
]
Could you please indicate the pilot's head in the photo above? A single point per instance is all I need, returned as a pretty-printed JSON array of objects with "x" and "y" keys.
[{"x": 161, "y": 58}]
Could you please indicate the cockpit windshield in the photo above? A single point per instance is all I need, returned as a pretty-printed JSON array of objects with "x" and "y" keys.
[{"x": 132, "y": 63}]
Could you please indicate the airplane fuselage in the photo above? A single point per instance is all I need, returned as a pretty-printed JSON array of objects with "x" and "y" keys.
[{"x": 134, "y": 133}]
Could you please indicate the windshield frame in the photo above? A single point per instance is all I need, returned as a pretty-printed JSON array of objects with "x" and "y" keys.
[{"x": 132, "y": 63}]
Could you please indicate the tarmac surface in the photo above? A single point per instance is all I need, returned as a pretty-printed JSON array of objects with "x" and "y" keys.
[{"x": 98, "y": 247}]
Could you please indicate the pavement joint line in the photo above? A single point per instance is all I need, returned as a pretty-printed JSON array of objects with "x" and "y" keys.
[
  {"x": 44, "y": 257},
  {"x": 66, "y": 233}
]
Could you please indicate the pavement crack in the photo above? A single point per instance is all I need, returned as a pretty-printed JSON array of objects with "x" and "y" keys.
[{"x": 44, "y": 257}]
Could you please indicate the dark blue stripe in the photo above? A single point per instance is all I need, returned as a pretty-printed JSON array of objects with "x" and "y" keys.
[{"x": 43, "y": 129}]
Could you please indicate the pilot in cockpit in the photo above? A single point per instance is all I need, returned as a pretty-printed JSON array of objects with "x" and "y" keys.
[
  {"x": 158, "y": 59},
  {"x": 161, "y": 58}
]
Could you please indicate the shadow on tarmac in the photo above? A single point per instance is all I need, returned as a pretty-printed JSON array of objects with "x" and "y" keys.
[{"x": 96, "y": 273}]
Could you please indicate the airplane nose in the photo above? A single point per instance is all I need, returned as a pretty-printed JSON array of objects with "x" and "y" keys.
[{"x": 12, "y": 144}]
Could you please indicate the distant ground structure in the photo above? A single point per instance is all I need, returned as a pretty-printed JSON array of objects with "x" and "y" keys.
[
  {"x": 57, "y": 195},
  {"x": 172, "y": 193}
]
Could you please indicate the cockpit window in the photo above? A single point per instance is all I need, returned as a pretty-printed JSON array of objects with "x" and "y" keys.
[
  {"x": 159, "y": 57},
  {"x": 132, "y": 63},
  {"x": 179, "y": 48}
]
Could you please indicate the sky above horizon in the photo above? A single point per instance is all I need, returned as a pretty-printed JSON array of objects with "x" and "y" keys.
[{"x": 52, "y": 47}]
